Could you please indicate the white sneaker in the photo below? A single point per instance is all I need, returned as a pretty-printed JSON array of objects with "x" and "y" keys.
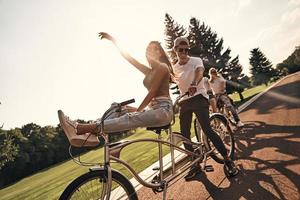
[
  {"x": 68, "y": 125},
  {"x": 240, "y": 124},
  {"x": 70, "y": 128}
]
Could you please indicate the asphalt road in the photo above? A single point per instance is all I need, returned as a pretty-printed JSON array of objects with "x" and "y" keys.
[{"x": 267, "y": 154}]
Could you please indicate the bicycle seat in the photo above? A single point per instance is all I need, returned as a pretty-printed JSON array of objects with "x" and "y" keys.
[{"x": 159, "y": 128}]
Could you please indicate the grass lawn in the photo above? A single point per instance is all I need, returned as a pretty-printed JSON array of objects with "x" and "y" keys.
[
  {"x": 248, "y": 94},
  {"x": 49, "y": 183}
]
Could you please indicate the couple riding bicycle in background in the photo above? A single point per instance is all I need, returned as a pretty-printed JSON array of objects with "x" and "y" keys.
[
  {"x": 218, "y": 98},
  {"x": 156, "y": 108}
]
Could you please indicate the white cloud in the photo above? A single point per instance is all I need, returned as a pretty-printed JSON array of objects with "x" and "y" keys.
[
  {"x": 279, "y": 41},
  {"x": 244, "y": 3},
  {"x": 291, "y": 17},
  {"x": 241, "y": 5},
  {"x": 294, "y": 3}
]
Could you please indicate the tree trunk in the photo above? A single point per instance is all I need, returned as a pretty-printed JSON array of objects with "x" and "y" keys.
[{"x": 241, "y": 96}]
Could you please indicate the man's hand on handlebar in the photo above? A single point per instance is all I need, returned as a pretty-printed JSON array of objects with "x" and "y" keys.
[{"x": 192, "y": 90}]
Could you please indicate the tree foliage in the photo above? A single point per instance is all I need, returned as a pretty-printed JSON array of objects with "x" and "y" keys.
[
  {"x": 291, "y": 64},
  {"x": 261, "y": 68},
  {"x": 8, "y": 150},
  {"x": 26, "y": 150},
  {"x": 172, "y": 31}
]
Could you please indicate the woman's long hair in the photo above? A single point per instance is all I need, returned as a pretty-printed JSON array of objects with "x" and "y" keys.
[{"x": 164, "y": 58}]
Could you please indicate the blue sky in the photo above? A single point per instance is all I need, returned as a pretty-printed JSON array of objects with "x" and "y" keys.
[{"x": 51, "y": 58}]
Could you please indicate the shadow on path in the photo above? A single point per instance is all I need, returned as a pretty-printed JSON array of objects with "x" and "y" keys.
[
  {"x": 290, "y": 101},
  {"x": 260, "y": 177}
]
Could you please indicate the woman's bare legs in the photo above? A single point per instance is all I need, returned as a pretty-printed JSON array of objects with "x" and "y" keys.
[
  {"x": 94, "y": 127},
  {"x": 87, "y": 128}
]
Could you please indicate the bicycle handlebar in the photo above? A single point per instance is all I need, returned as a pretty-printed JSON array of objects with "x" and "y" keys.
[
  {"x": 124, "y": 103},
  {"x": 180, "y": 97}
]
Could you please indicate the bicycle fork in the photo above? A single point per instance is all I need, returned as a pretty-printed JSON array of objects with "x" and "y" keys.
[{"x": 108, "y": 183}]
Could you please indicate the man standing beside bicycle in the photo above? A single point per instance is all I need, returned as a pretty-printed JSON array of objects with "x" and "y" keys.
[
  {"x": 218, "y": 85},
  {"x": 188, "y": 73}
]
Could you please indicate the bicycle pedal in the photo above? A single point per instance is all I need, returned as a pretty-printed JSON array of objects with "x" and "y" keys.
[
  {"x": 155, "y": 168},
  {"x": 209, "y": 168}
]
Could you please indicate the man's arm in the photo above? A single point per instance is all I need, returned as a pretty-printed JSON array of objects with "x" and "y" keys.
[
  {"x": 199, "y": 70},
  {"x": 223, "y": 83},
  {"x": 198, "y": 75}
]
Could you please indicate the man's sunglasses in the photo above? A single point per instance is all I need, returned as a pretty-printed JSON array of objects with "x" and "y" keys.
[{"x": 183, "y": 50}]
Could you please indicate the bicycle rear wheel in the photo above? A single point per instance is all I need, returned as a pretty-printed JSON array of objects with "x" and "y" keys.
[{"x": 92, "y": 186}]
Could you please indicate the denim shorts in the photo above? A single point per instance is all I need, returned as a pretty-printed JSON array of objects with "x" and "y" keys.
[{"x": 159, "y": 113}]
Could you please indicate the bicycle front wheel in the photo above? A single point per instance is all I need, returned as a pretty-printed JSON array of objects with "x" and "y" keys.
[
  {"x": 220, "y": 125},
  {"x": 92, "y": 186}
]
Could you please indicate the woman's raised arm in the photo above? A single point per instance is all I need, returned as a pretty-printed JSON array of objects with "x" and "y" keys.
[{"x": 144, "y": 69}]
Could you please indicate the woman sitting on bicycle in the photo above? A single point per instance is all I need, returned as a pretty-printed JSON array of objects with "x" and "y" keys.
[{"x": 159, "y": 111}]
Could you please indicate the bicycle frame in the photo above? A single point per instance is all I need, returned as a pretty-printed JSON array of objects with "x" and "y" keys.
[
  {"x": 226, "y": 112},
  {"x": 112, "y": 152}
]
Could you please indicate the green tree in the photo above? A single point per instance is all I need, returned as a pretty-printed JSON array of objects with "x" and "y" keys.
[
  {"x": 36, "y": 149},
  {"x": 261, "y": 68},
  {"x": 60, "y": 145},
  {"x": 291, "y": 64},
  {"x": 8, "y": 150},
  {"x": 172, "y": 31},
  {"x": 12, "y": 170},
  {"x": 26, "y": 150},
  {"x": 205, "y": 44},
  {"x": 236, "y": 80}
]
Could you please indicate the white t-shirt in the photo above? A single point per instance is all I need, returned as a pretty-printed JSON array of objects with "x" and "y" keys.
[
  {"x": 184, "y": 75},
  {"x": 218, "y": 86},
  {"x": 206, "y": 83}
]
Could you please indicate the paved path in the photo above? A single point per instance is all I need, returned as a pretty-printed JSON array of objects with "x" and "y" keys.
[{"x": 268, "y": 152}]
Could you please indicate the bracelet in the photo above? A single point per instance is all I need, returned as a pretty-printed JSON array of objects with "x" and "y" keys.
[{"x": 193, "y": 83}]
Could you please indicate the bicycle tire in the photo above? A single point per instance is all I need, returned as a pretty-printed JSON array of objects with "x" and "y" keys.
[
  {"x": 90, "y": 185},
  {"x": 227, "y": 137}
]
